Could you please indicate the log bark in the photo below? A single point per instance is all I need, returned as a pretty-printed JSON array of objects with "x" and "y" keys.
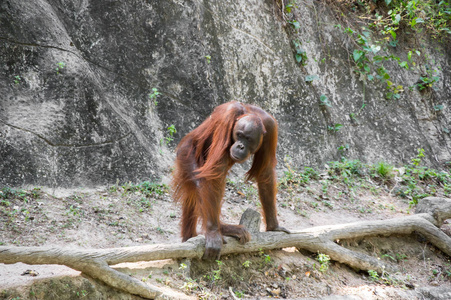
[{"x": 96, "y": 262}]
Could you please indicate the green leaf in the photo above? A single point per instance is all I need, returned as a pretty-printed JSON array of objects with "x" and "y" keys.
[
  {"x": 370, "y": 77},
  {"x": 393, "y": 33},
  {"x": 409, "y": 56},
  {"x": 394, "y": 57},
  {"x": 324, "y": 101},
  {"x": 397, "y": 19},
  {"x": 298, "y": 58},
  {"x": 404, "y": 65},
  {"x": 357, "y": 54},
  {"x": 338, "y": 127},
  {"x": 310, "y": 78},
  {"x": 349, "y": 31},
  {"x": 438, "y": 107},
  {"x": 362, "y": 40},
  {"x": 388, "y": 2},
  {"x": 288, "y": 8},
  {"x": 295, "y": 24},
  {"x": 367, "y": 68}
]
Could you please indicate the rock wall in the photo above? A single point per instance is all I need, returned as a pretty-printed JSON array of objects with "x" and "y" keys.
[{"x": 76, "y": 76}]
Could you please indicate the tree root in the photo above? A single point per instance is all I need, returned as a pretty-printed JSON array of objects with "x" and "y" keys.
[{"x": 431, "y": 213}]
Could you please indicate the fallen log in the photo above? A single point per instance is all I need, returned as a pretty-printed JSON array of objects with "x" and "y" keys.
[{"x": 96, "y": 263}]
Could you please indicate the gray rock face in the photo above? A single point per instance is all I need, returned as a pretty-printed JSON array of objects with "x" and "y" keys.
[{"x": 76, "y": 77}]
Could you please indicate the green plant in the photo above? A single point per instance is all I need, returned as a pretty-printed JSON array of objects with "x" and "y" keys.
[
  {"x": 346, "y": 170},
  {"x": 310, "y": 78},
  {"x": 373, "y": 275},
  {"x": 334, "y": 127},
  {"x": 239, "y": 294},
  {"x": 145, "y": 204},
  {"x": 114, "y": 188},
  {"x": 323, "y": 101},
  {"x": 417, "y": 160},
  {"x": 266, "y": 259},
  {"x": 159, "y": 230},
  {"x": 324, "y": 261},
  {"x": 190, "y": 285},
  {"x": 426, "y": 82},
  {"x": 10, "y": 193},
  {"x": 296, "y": 25},
  {"x": 290, "y": 6},
  {"x": 246, "y": 264},
  {"x": 401, "y": 257},
  {"x": 26, "y": 213},
  {"x": 299, "y": 53},
  {"x": 17, "y": 79},
  {"x": 375, "y": 40},
  {"x": 208, "y": 58},
  {"x": 35, "y": 193},
  {"x": 367, "y": 56},
  {"x": 325, "y": 187},
  {"x": 420, "y": 15},
  {"x": 82, "y": 294},
  {"x": 215, "y": 275},
  {"x": 60, "y": 66},
  {"x": 419, "y": 182},
  {"x": 292, "y": 177},
  {"x": 383, "y": 170},
  {"x": 393, "y": 90},
  {"x": 147, "y": 188},
  {"x": 154, "y": 95},
  {"x": 74, "y": 210},
  {"x": 328, "y": 204},
  {"x": 342, "y": 149},
  {"x": 171, "y": 131},
  {"x": 438, "y": 107}
]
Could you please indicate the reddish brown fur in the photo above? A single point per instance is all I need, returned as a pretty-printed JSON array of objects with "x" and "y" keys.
[{"x": 203, "y": 162}]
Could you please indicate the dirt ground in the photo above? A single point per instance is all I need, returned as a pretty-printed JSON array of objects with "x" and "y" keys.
[{"x": 127, "y": 215}]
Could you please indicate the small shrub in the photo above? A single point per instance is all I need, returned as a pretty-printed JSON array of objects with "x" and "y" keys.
[
  {"x": 324, "y": 261},
  {"x": 373, "y": 275},
  {"x": 383, "y": 170}
]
